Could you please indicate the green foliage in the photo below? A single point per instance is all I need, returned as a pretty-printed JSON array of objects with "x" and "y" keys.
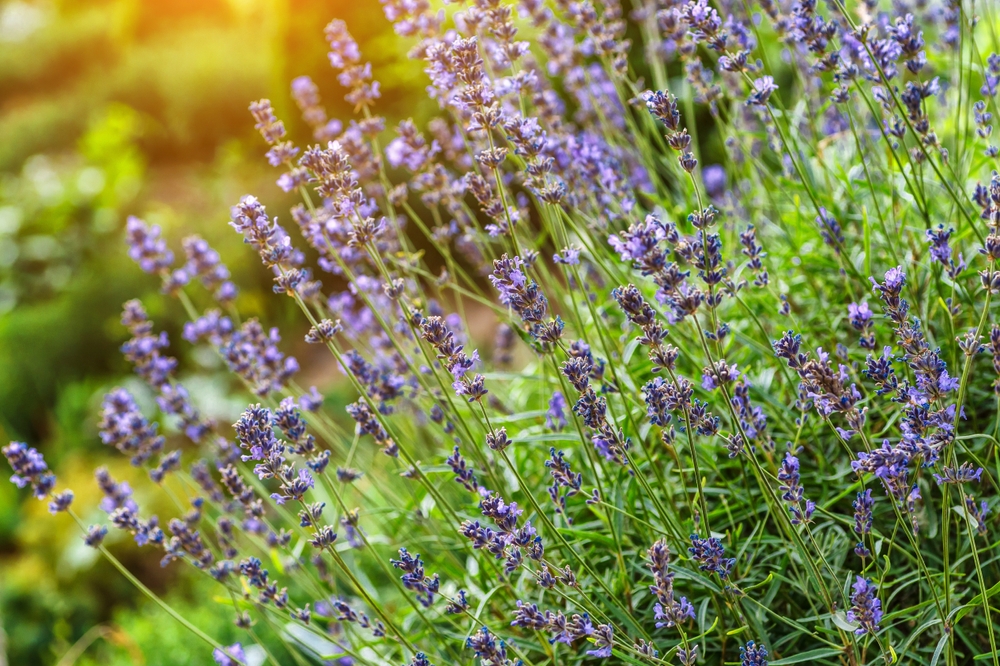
[
  {"x": 157, "y": 123},
  {"x": 108, "y": 109},
  {"x": 144, "y": 637}
]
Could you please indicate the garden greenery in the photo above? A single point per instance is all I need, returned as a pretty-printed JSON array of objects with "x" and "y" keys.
[{"x": 732, "y": 412}]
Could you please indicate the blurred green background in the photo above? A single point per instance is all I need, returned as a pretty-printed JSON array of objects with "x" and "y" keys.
[{"x": 110, "y": 108}]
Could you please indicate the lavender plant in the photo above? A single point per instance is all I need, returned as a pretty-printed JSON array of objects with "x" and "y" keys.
[{"x": 731, "y": 412}]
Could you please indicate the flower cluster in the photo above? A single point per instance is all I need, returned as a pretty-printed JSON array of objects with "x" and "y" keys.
[
  {"x": 565, "y": 630},
  {"x": 669, "y": 610},
  {"x": 866, "y": 608},
  {"x": 659, "y": 386},
  {"x": 415, "y": 579}
]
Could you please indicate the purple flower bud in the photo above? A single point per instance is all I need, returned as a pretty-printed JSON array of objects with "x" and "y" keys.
[
  {"x": 230, "y": 656},
  {"x": 866, "y": 608},
  {"x": 29, "y": 469},
  {"x": 752, "y": 654},
  {"x": 762, "y": 89},
  {"x": 146, "y": 247}
]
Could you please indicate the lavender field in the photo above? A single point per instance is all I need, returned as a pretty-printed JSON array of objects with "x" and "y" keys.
[{"x": 518, "y": 333}]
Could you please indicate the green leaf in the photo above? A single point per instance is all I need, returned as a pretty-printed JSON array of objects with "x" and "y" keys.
[
  {"x": 868, "y": 239},
  {"x": 975, "y": 602},
  {"x": 962, "y": 511},
  {"x": 546, "y": 437},
  {"x": 629, "y": 350},
  {"x": 940, "y": 647},
  {"x": 840, "y": 619},
  {"x": 587, "y": 535},
  {"x": 808, "y": 656}
]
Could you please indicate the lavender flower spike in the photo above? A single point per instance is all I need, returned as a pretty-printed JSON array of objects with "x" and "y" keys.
[
  {"x": 29, "y": 469},
  {"x": 232, "y": 655},
  {"x": 752, "y": 654},
  {"x": 866, "y": 608}
]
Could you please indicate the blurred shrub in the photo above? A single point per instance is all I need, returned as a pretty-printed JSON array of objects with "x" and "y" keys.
[
  {"x": 108, "y": 108},
  {"x": 59, "y": 219}
]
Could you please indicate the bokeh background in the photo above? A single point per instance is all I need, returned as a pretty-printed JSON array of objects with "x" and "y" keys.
[{"x": 110, "y": 108}]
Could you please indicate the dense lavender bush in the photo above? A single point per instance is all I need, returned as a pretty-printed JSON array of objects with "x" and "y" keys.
[{"x": 733, "y": 412}]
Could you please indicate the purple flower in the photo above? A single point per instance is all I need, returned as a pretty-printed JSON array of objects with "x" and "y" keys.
[
  {"x": 792, "y": 492},
  {"x": 965, "y": 473},
  {"x": 29, "y": 469},
  {"x": 168, "y": 463},
  {"x": 253, "y": 354},
  {"x": 714, "y": 178},
  {"x": 722, "y": 374},
  {"x": 312, "y": 401},
  {"x": 830, "y": 230},
  {"x": 232, "y": 655},
  {"x": 61, "y": 501},
  {"x": 293, "y": 485},
  {"x": 663, "y": 105},
  {"x": 343, "y": 49},
  {"x": 890, "y": 292},
  {"x": 939, "y": 248},
  {"x": 143, "y": 350},
  {"x": 992, "y": 76},
  {"x": 709, "y": 555},
  {"x": 516, "y": 290},
  {"x": 474, "y": 388},
  {"x": 762, "y": 89},
  {"x": 203, "y": 262},
  {"x": 688, "y": 657},
  {"x": 635, "y": 307},
  {"x": 272, "y": 129},
  {"x": 640, "y": 244},
  {"x": 978, "y": 512},
  {"x": 463, "y": 473},
  {"x": 146, "y": 247},
  {"x": 752, "y": 654},
  {"x": 555, "y": 417},
  {"x": 528, "y": 616},
  {"x": 570, "y": 256},
  {"x": 412, "y": 18},
  {"x": 116, "y": 495},
  {"x": 603, "y": 641},
  {"x": 124, "y": 427},
  {"x": 123, "y": 511},
  {"x": 754, "y": 251},
  {"x": 414, "y": 577},
  {"x": 562, "y": 478},
  {"x": 866, "y": 609},
  {"x": 306, "y": 96},
  {"x": 410, "y": 149},
  {"x": 213, "y": 326},
  {"x": 860, "y": 316},
  {"x": 820, "y": 382},
  {"x": 880, "y": 371},
  {"x": 368, "y": 424},
  {"x": 186, "y": 542},
  {"x": 669, "y": 611},
  {"x": 267, "y": 237},
  {"x": 452, "y": 355},
  {"x": 458, "y": 605},
  {"x": 488, "y": 648},
  {"x": 863, "y": 504},
  {"x": 910, "y": 42},
  {"x": 95, "y": 535}
]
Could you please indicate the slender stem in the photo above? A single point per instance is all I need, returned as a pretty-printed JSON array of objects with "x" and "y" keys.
[{"x": 149, "y": 593}]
